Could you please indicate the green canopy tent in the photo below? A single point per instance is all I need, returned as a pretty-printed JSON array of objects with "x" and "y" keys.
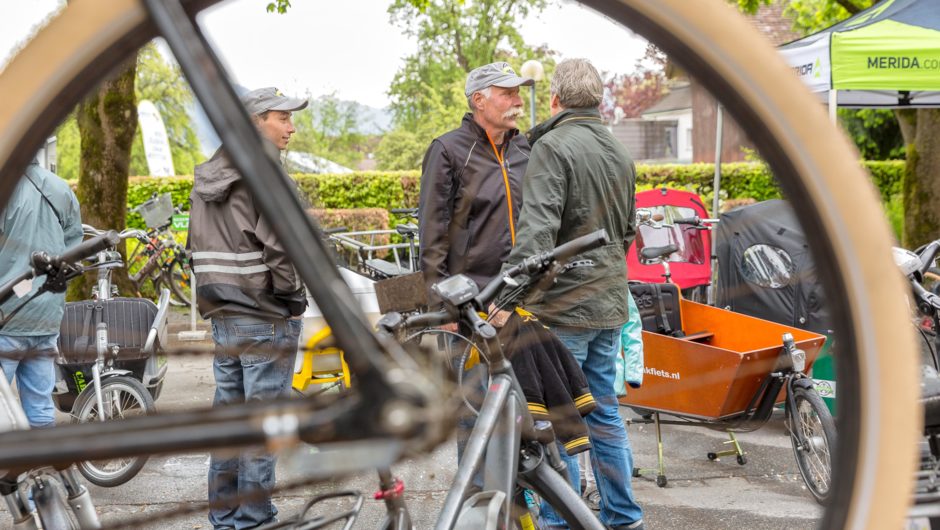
[{"x": 887, "y": 56}]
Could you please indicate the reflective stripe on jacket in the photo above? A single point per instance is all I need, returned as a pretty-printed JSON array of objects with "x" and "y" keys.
[{"x": 240, "y": 266}]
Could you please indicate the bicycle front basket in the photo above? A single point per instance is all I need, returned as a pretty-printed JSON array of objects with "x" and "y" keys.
[{"x": 157, "y": 211}]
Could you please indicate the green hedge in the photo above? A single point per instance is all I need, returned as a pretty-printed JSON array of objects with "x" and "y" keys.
[
  {"x": 140, "y": 189},
  {"x": 399, "y": 189}
]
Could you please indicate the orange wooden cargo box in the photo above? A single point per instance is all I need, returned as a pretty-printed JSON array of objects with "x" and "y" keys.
[{"x": 715, "y": 376}]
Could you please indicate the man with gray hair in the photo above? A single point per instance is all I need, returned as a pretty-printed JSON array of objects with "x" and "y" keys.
[
  {"x": 471, "y": 191},
  {"x": 581, "y": 179},
  {"x": 249, "y": 289}
]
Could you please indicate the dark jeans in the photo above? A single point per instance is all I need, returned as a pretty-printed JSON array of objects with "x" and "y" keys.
[{"x": 253, "y": 361}]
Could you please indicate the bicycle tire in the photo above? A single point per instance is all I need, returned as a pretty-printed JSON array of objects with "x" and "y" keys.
[
  {"x": 147, "y": 285},
  {"x": 53, "y": 511},
  {"x": 814, "y": 422},
  {"x": 134, "y": 398},
  {"x": 815, "y": 166},
  {"x": 176, "y": 278}
]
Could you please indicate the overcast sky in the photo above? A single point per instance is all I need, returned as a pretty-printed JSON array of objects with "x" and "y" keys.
[{"x": 350, "y": 48}]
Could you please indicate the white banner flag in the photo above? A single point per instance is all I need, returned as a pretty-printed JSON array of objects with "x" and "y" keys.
[{"x": 156, "y": 143}]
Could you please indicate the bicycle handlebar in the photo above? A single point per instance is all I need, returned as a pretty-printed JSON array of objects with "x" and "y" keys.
[
  {"x": 85, "y": 249},
  {"x": 41, "y": 263},
  {"x": 696, "y": 222},
  {"x": 533, "y": 265},
  {"x": 540, "y": 263}
]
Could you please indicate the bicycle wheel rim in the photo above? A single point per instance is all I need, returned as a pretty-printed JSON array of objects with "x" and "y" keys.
[
  {"x": 819, "y": 174},
  {"x": 815, "y": 460},
  {"x": 176, "y": 278},
  {"x": 122, "y": 398}
]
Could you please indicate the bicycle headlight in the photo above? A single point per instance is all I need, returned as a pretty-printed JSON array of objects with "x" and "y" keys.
[{"x": 798, "y": 359}]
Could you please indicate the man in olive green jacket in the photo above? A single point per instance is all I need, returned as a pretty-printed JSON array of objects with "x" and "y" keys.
[{"x": 580, "y": 179}]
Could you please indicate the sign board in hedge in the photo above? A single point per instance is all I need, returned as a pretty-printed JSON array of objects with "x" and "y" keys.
[{"x": 180, "y": 222}]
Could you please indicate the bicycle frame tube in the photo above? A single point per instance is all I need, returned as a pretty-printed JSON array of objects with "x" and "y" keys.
[
  {"x": 497, "y": 396},
  {"x": 554, "y": 488}
]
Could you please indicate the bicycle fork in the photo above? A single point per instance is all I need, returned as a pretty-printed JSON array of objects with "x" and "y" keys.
[
  {"x": 78, "y": 499},
  {"x": 101, "y": 342}
]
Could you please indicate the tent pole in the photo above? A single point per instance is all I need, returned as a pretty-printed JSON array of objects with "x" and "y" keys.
[
  {"x": 716, "y": 185},
  {"x": 716, "y": 188},
  {"x": 833, "y": 105}
]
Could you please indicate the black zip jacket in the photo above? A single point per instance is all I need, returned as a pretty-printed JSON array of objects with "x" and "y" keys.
[
  {"x": 468, "y": 209},
  {"x": 555, "y": 388}
]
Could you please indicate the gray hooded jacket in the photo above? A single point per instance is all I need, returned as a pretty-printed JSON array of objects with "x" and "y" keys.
[{"x": 240, "y": 266}]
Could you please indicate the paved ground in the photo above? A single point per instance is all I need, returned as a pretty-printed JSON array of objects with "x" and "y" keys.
[{"x": 767, "y": 493}]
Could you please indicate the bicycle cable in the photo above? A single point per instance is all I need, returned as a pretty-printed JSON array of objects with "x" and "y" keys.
[{"x": 463, "y": 359}]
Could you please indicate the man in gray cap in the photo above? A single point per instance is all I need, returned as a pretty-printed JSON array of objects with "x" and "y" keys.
[
  {"x": 249, "y": 289},
  {"x": 471, "y": 190}
]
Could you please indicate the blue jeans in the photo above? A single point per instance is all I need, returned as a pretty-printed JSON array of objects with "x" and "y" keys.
[
  {"x": 611, "y": 456},
  {"x": 254, "y": 359},
  {"x": 32, "y": 360}
]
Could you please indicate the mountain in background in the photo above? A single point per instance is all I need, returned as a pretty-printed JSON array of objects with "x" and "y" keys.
[{"x": 369, "y": 120}]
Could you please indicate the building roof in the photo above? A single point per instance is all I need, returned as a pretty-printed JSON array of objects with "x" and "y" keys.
[
  {"x": 298, "y": 162},
  {"x": 678, "y": 98}
]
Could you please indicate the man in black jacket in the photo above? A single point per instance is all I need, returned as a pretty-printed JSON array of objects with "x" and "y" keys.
[
  {"x": 471, "y": 182},
  {"x": 249, "y": 289},
  {"x": 471, "y": 190}
]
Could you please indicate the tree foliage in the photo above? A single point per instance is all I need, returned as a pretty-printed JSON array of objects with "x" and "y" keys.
[
  {"x": 875, "y": 133},
  {"x": 633, "y": 93},
  {"x": 454, "y": 37},
  {"x": 160, "y": 81},
  {"x": 279, "y": 6},
  {"x": 329, "y": 128}
]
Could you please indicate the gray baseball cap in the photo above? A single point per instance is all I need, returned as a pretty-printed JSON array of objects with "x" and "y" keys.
[
  {"x": 494, "y": 74},
  {"x": 270, "y": 98}
]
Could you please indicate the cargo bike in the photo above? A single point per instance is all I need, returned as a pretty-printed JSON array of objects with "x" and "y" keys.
[
  {"x": 710, "y": 367},
  {"x": 110, "y": 364}
]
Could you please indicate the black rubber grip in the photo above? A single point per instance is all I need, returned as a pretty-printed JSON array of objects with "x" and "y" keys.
[
  {"x": 581, "y": 244},
  {"x": 82, "y": 250}
]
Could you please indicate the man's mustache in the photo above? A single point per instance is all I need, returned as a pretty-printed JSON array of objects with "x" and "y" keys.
[{"x": 513, "y": 114}]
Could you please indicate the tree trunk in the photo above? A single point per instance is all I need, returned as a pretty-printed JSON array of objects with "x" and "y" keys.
[
  {"x": 921, "y": 186},
  {"x": 107, "y": 123}
]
